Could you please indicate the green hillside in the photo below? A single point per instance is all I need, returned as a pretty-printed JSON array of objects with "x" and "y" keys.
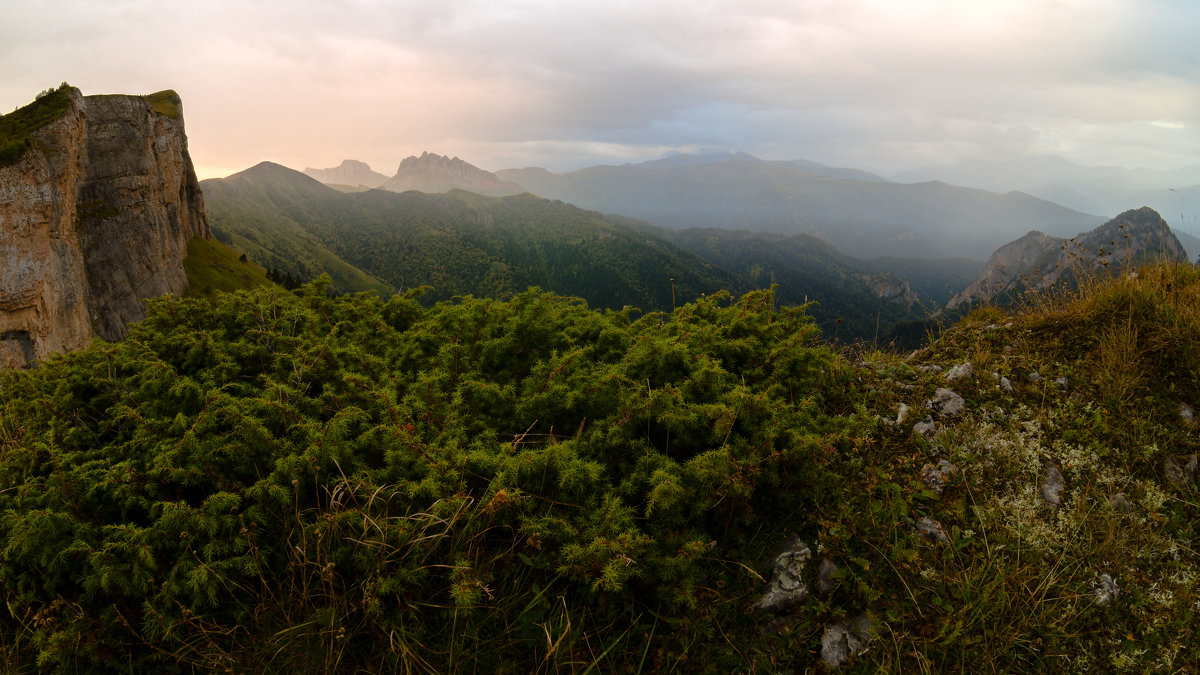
[
  {"x": 292, "y": 482},
  {"x": 805, "y": 269},
  {"x": 261, "y": 212},
  {"x": 16, "y": 126},
  {"x": 213, "y": 267},
  {"x": 862, "y": 216},
  {"x": 456, "y": 243}
]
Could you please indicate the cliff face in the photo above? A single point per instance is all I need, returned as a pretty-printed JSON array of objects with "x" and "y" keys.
[
  {"x": 1036, "y": 260},
  {"x": 435, "y": 174},
  {"x": 349, "y": 172},
  {"x": 890, "y": 287},
  {"x": 94, "y": 217}
]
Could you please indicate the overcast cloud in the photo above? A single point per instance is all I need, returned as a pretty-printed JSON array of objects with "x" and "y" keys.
[{"x": 880, "y": 85}]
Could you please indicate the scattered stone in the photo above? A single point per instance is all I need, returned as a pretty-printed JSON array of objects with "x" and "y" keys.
[
  {"x": 786, "y": 588},
  {"x": 1052, "y": 485},
  {"x": 902, "y": 414},
  {"x": 936, "y": 477},
  {"x": 1186, "y": 412},
  {"x": 1178, "y": 473},
  {"x": 825, "y": 576},
  {"x": 1035, "y": 378},
  {"x": 932, "y": 530},
  {"x": 930, "y": 368},
  {"x": 1106, "y": 591},
  {"x": 1119, "y": 502},
  {"x": 1062, "y": 383},
  {"x": 1003, "y": 382},
  {"x": 926, "y": 427},
  {"x": 844, "y": 639},
  {"x": 946, "y": 403},
  {"x": 960, "y": 371}
]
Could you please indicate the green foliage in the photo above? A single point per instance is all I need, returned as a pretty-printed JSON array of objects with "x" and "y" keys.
[
  {"x": 212, "y": 267},
  {"x": 166, "y": 102},
  {"x": 16, "y": 127},
  {"x": 456, "y": 243},
  {"x": 270, "y": 481}
]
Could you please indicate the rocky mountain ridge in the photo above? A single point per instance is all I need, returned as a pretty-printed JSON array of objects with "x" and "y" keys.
[
  {"x": 1037, "y": 260},
  {"x": 95, "y": 216},
  {"x": 349, "y": 172},
  {"x": 436, "y": 173}
]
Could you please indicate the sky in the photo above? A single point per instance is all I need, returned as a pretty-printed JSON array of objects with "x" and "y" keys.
[{"x": 882, "y": 85}]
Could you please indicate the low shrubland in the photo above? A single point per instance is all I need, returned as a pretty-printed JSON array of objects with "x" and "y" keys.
[{"x": 267, "y": 481}]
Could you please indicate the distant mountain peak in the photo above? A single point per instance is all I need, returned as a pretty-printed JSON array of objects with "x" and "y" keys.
[
  {"x": 349, "y": 172},
  {"x": 435, "y": 173},
  {"x": 1037, "y": 260}
]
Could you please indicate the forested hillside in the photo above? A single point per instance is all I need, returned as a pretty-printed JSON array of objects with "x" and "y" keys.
[
  {"x": 269, "y": 481},
  {"x": 456, "y": 243},
  {"x": 860, "y": 214},
  {"x": 852, "y": 299}
]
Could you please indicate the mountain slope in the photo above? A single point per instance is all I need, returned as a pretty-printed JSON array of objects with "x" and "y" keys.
[
  {"x": 262, "y": 212},
  {"x": 1037, "y": 261},
  {"x": 457, "y": 242},
  {"x": 864, "y": 218},
  {"x": 849, "y": 300},
  {"x": 350, "y": 172},
  {"x": 435, "y": 173}
]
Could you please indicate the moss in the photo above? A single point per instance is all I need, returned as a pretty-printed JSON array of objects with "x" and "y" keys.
[
  {"x": 16, "y": 127},
  {"x": 166, "y": 102}
]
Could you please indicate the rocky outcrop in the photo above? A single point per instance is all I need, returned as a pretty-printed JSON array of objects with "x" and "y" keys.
[
  {"x": 95, "y": 216},
  {"x": 890, "y": 287},
  {"x": 1037, "y": 261},
  {"x": 435, "y": 174},
  {"x": 349, "y": 172}
]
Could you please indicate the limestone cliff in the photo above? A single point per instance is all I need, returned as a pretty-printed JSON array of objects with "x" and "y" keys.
[
  {"x": 95, "y": 216},
  {"x": 890, "y": 287},
  {"x": 1037, "y": 261},
  {"x": 435, "y": 173},
  {"x": 350, "y": 172}
]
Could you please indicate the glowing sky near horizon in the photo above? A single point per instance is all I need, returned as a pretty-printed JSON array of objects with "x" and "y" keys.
[{"x": 880, "y": 85}]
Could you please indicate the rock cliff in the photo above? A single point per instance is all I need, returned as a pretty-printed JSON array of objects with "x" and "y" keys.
[
  {"x": 349, "y": 172},
  {"x": 95, "y": 216},
  {"x": 1037, "y": 261},
  {"x": 435, "y": 173}
]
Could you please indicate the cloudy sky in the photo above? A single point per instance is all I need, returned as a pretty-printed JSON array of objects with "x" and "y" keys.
[{"x": 876, "y": 84}]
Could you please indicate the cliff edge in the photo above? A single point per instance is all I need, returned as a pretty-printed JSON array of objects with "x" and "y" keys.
[
  {"x": 1037, "y": 260},
  {"x": 97, "y": 206}
]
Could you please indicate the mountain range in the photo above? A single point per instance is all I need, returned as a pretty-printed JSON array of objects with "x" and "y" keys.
[
  {"x": 1091, "y": 189},
  {"x": 463, "y": 243},
  {"x": 859, "y": 213}
]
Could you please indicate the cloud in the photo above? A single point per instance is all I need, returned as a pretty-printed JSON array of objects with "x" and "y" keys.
[{"x": 873, "y": 83}]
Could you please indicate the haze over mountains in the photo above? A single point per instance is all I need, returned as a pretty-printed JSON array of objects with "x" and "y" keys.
[
  {"x": 858, "y": 212},
  {"x": 1099, "y": 190}
]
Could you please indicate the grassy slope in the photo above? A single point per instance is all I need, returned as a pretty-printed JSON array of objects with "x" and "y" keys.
[
  {"x": 16, "y": 126},
  {"x": 213, "y": 267},
  {"x": 457, "y": 243},
  {"x": 1016, "y": 586},
  {"x": 247, "y": 208}
]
